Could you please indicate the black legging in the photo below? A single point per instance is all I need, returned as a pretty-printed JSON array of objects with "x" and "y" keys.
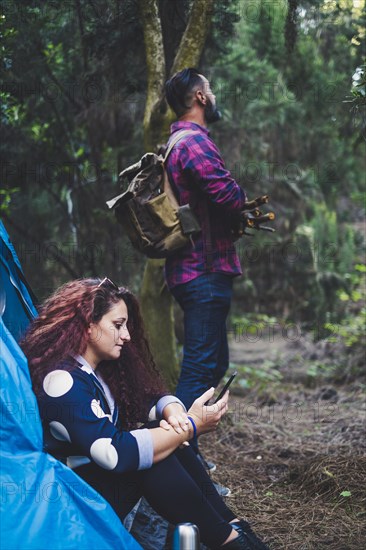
[{"x": 178, "y": 488}]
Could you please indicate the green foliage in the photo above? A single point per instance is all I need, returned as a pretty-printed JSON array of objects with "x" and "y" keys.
[
  {"x": 251, "y": 323},
  {"x": 287, "y": 107},
  {"x": 11, "y": 113},
  {"x": 288, "y": 132},
  {"x": 357, "y": 99},
  {"x": 335, "y": 243},
  {"x": 70, "y": 124},
  {"x": 6, "y": 197},
  {"x": 258, "y": 377},
  {"x": 318, "y": 372},
  {"x": 348, "y": 335},
  {"x": 351, "y": 331},
  {"x": 358, "y": 91}
]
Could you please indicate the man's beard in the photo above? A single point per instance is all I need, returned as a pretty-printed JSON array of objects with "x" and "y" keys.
[{"x": 212, "y": 114}]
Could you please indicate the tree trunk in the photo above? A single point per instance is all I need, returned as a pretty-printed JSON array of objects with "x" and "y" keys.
[
  {"x": 157, "y": 306},
  {"x": 156, "y": 300}
]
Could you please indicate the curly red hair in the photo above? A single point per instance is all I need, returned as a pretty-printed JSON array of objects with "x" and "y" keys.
[{"x": 60, "y": 331}]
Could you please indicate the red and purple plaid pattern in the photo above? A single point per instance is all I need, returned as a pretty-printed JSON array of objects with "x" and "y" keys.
[{"x": 198, "y": 176}]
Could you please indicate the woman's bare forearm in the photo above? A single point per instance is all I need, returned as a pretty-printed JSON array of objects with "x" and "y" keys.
[{"x": 166, "y": 441}]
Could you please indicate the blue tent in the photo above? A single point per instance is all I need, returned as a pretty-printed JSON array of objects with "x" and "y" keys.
[{"x": 44, "y": 504}]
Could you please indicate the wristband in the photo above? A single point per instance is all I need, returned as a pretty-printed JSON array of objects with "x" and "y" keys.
[{"x": 193, "y": 426}]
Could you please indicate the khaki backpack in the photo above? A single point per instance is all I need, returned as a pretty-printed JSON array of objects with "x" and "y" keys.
[{"x": 148, "y": 210}]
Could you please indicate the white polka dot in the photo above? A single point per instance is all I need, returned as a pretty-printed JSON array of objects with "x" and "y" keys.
[
  {"x": 104, "y": 454},
  {"x": 59, "y": 431},
  {"x": 152, "y": 414},
  {"x": 57, "y": 383},
  {"x": 98, "y": 411}
]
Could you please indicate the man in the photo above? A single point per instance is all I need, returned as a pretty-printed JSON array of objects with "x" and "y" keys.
[{"x": 200, "y": 276}]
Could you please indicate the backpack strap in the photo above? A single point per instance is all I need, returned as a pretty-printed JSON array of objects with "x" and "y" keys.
[
  {"x": 167, "y": 187},
  {"x": 174, "y": 141},
  {"x": 207, "y": 242}
]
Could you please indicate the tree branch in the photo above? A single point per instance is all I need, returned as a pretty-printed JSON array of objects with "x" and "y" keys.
[
  {"x": 155, "y": 60},
  {"x": 194, "y": 37},
  {"x": 82, "y": 33}
]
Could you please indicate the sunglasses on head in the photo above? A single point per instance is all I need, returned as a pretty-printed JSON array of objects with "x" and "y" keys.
[{"x": 108, "y": 283}]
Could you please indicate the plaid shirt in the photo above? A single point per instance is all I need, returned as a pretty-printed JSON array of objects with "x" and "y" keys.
[{"x": 198, "y": 176}]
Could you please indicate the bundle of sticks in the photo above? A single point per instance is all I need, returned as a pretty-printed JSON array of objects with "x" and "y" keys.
[{"x": 253, "y": 218}]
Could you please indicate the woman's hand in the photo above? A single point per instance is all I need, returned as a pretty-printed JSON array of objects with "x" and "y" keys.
[
  {"x": 175, "y": 417},
  {"x": 205, "y": 417}
]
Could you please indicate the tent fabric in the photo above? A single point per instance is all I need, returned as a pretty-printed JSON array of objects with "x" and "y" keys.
[
  {"x": 43, "y": 504},
  {"x": 16, "y": 305}
]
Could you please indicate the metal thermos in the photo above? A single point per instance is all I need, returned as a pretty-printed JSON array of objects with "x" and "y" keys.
[{"x": 186, "y": 537}]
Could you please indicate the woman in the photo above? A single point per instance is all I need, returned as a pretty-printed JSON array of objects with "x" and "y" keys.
[{"x": 95, "y": 382}]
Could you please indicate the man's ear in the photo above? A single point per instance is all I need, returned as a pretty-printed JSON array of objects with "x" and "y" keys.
[{"x": 201, "y": 97}]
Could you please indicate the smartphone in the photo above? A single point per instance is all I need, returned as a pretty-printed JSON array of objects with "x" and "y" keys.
[{"x": 224, "y": 389}]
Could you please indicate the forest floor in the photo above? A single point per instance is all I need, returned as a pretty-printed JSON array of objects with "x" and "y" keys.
[{"x": 292, "y": 448}]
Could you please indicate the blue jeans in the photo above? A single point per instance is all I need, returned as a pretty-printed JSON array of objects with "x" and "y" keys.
[{"x": 205, "y": 302}]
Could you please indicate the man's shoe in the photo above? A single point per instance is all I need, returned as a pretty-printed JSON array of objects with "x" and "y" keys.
[
  {"x": 255, "y": 542},
  {"x": 209, "y": 466},
  {"x": 223, "y": 491}
]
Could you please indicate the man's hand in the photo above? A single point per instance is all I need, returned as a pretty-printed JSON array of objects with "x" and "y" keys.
[{"x": 175, "y": 417}]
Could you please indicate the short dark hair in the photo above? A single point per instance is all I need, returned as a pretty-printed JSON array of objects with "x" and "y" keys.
[{"x": 179, "y": 88}]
